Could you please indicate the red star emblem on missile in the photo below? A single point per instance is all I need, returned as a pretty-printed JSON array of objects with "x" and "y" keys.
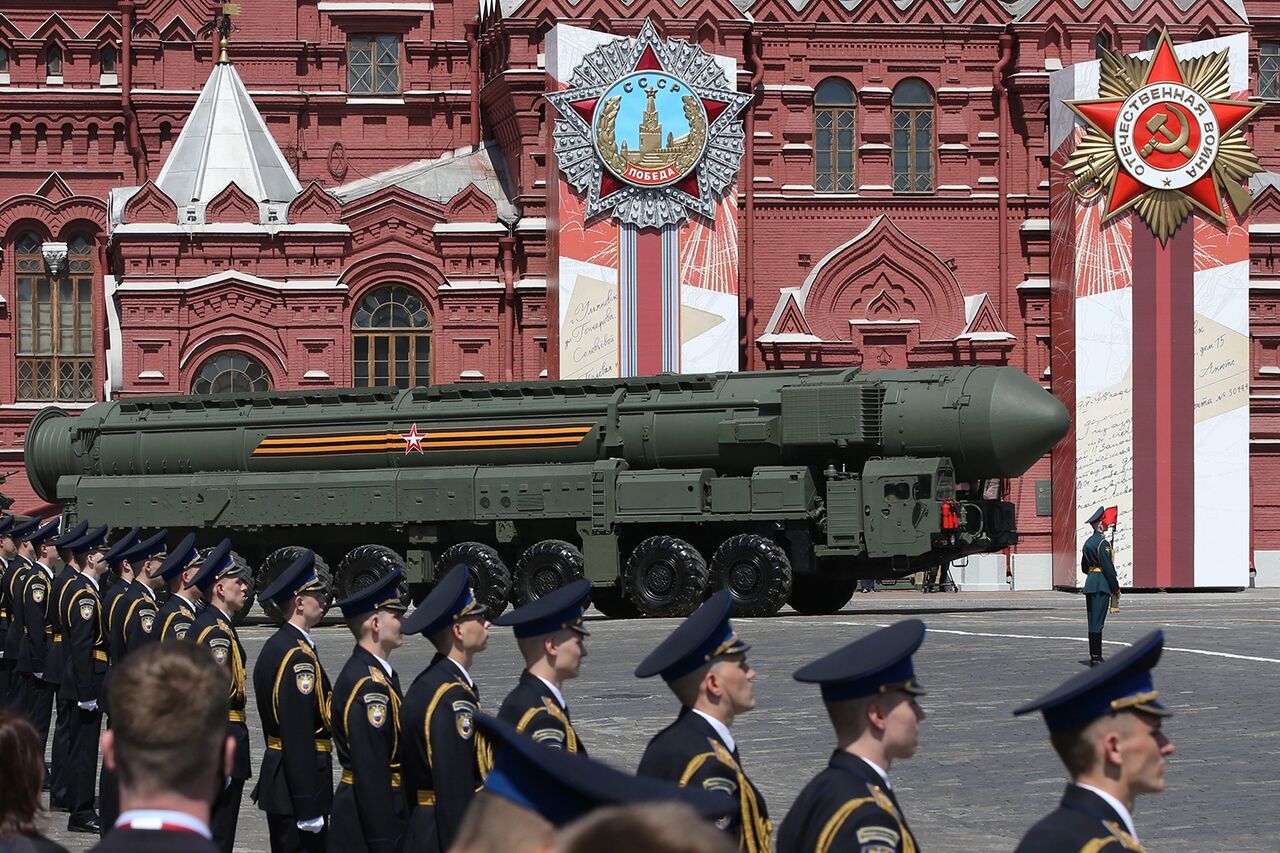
[
  {"x": 1167, "y": 135},
  {"x": 413, "y": 440}
]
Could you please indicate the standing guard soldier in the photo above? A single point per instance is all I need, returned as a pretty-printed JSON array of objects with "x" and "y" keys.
[
  {"x": 222, "y": 584},
  {"x": 8, "y": 563},
  {"x": 1106, "y": 726},
  {"x": 369, "y": 808},
  {"x": 37, "y": 636},
  {"x": 439, "y": 753},
  {"x": 295, "y": 784},
  {"x": 53, "y": 666},
  {"x": 704, "y": 662},
  {"x": 1100, "y": 581},
  {"x": 84, "y": 671},
  {"x": 180, "y": 566},
  {"x": 19, "y": 698},
  {"x": 123, "y": 571},
  {"x": 552, "y": 639},
  {"x": 869, "y": 688}
]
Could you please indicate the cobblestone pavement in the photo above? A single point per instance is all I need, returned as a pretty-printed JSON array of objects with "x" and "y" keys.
[{"x": 981, "y": 776}]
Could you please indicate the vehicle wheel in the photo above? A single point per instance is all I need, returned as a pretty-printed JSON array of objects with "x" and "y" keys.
[
  {"x": 275, "y": 563},
  {"x": 821, "y": 596},
  {"x": 244, "y": 566},
  {"x": 666, "y": 576},
  {"x": 756, "y": 571},
  {"x": 545, "y": 567},
  {"x": 364, "y": 565},
  {"x": 490, "y": 577},
  {"x": 612, "y": 601}
]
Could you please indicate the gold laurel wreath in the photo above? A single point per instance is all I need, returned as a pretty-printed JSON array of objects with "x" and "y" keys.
[{"x": 607, "y": 140}]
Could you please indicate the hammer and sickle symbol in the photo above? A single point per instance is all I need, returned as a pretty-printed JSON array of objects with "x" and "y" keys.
[{"x": 1172, "y": 141}]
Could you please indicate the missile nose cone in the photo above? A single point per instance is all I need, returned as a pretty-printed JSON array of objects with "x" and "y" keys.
[{"x": 1027, "y": 422}]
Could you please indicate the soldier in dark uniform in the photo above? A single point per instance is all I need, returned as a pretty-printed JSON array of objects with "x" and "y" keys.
[
  {"x": 704, "y": 663},
  {"x": 19, "y": 696},
  {"x": 870, "y": 690},
  {"x": 180, "y": 566},
  {"x": 222, "y": 584},
  {"x": 1100, "y": 582},
  {"x": 85, "y": 659},
  {"x": 438, "y": 754},
  {"x": 8, "y": 563},
  {"x": 37, "y": 636},
  {"x": 133, "y": 624},
  {"x": 53, "y": 666},
  {"x": 123, "y": 571},
  {"x": 369, "y": 809},
  {"x": 295, "y": 784},
  {"x": 552, "y": 639},
  {"x": 1106, "y": 726}
]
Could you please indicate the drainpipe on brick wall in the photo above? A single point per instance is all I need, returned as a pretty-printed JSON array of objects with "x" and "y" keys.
[
  {"x": 473, "y": 48},
  {"x": 133, "y": 136},
  {"x": 1002, "y": 214},
  {"x": 507, "y": 245},
  {"x": 755, "y": 62}
]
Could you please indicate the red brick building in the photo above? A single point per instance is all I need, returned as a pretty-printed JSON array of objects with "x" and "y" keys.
[{"x": 360, "y": 196}]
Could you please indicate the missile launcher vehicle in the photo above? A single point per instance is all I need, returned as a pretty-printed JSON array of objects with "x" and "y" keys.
[{"x": 783, "y": 485}]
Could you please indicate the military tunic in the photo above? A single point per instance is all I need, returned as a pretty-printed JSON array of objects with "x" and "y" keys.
[
  {"x": 176, "y": 618},
  {"x": 66, "y": 579},
  {"x": 33, "y": 651},
  {"x": 296, "y": 779},
  {"x": 214, "y": 630},
  {"x": 1082, "y": 823},
  {"x": 442, "y": 770},
  {"x": 83, "y": 676},
  {"x": 369, "y": 809},
  {"x": 5, "y": 607},
  {"x": 690, "y": 752},
  {"x": 847, "y": 806},
  {"x": 534, "y": 710},
  {"x": 1100, "y": 579}
]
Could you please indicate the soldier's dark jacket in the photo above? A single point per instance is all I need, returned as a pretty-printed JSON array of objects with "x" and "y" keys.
[
  {"x": 438, "y": 754},
  {"x": 84, "y": 641},
  {"x": 1082, "y": 823},
  {"x": 176, "y": 617},
  {"x": 293, "y": 693},
  {"x": 846, "y": 807},
  {"x": 532, "y": 708},
  {"x": 689, "y": 752},
  {"x": 369, "y": 809},
  {"x": 213, "y": 629},
  {"x": 6, "y": 606},
  {"x": 1096, "y": 554},
  {"x": 62, "y": 583},
  {"x": 136, "y": 622},
  {"x": 13, "y": 583},
  {"x": 37, "y": 636},
  {"x": 111, "y": 598}
]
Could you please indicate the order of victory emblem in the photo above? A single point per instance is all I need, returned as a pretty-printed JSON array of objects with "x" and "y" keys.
[
  {"x": 1164, "y": 138},
  {"x": 649, "y": 130}
]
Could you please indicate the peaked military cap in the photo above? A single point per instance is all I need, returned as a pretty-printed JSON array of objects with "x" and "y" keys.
[
  {"x": 38, "y": 534},
  {"x": 562, "y": 786},
  {"x": 148, "y": 549},
  {"x": 95, "y": 538},
  {"x": 698, "y": 640},
  {"x": 179, "y": 559},
  {"x": 1097, "y": 515},
  {"x": 1121, "y": 683},
  {"x": 382, "y": 594},
  {"x": 451, "y": 599},
  {"x": 559, "y": 609},
  {"x": 218, "y": 564},
  {"x": 18, "y": 532},
  {"x": 878, "y": 663},
  {"x": 62, "y": 540},
  {"x": 298, "y": 577},
  {"x": 7, "y": 523},
  {"x": 115, "y": 555}
]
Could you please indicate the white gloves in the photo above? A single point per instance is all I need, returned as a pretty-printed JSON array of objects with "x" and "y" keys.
[
  {"x": 316, "y": 824},
  {"x": 91, "y": 705}
]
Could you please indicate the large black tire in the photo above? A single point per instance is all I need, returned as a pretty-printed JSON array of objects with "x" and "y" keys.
[
  {"x": 756, "y": 571},
  {"x": 666, "y": 576},
  {"x": 364, "y": 565},
  {"x": 613, "y": 602},
  {"x": 275, "y": 563},
  {"x": 821, "y": 596},
  {"x": 545, "y": 567},
  {"x": 490, "y": 577}
]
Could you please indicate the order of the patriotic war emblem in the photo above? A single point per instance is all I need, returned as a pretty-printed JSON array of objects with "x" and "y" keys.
[
  {"x": 649, "y": 130},
  {"x": 1163, "y": 138}
]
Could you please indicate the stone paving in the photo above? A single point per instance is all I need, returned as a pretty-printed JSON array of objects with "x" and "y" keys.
[{"x": 981, "y": 776}]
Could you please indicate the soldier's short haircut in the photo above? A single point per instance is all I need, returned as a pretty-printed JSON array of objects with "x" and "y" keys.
[
  {"x": 1078, "y": 747},
  {"x": 652, "y": 827},
  {"x": 494, "y": 824},
  {"x": 169, "y": 704}
]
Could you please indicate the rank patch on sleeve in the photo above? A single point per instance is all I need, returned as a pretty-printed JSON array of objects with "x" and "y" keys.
[
  {"x": 549, "y": 737},
  {"x": 375, "y": 708},
  {"x": 877, "y": 839},
  {"x": 720, "y": 783},
  {"x": 86, "y": 610},
  {"x": 221, "y": 649}
]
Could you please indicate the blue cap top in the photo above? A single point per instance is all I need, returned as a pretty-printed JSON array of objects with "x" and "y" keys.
[
  {"x": 115, "y": 555},
  {"x": 38, "y": 534},
  {"x": 563, "y": 786},
  {"x": 179, "y": 559},
  {"x": 18, "y": 532},
  {"x": 698, "y": 640},
  {"x": 95, "y": 538},
  {"x": 1121, "y": 683},
  {"x": 218, "y": 564},
  {"x": 451, "y": 599},
  {"x": 298, "y": 577},
  {"x": 557, "y": 610},
  {"x": 382, "y": 594},
  {"x": 148, "y": 549},
  {"x": 62, "y": 540},
  {"x": 878, "y": 663}
]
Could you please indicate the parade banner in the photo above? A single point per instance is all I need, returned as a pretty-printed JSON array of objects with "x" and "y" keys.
[
  {"x": 642, "y": 224},
  {"x": 1150, "y": 310}
]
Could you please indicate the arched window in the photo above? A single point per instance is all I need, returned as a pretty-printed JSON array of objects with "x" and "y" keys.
[
  {"x": 107, "y": 59},
  {"x": 912, "y": 137},
  {"x": 834, "y": 107},
  {"x": 1152, "y": 39},
  {"x": 1101, "y": 44},
  {"x": 231, "y": 373},
  {"x": 55, "y": 320},
  {"x": 4, "y": 59},
  {"x": 391, "y": 338},
  {"x": 53, "y": 61}
]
